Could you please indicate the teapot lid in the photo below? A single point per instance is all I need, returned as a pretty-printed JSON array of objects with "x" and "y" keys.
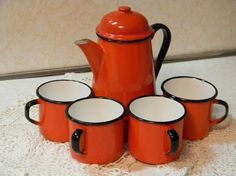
[{"x": 124, "y": 25}]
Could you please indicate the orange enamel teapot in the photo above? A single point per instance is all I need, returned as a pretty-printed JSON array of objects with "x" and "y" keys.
[{"x": 122, "y": 59}]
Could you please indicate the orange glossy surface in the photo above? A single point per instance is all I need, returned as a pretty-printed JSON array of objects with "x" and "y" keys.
[
  {"x": 199, "y": 119},
  {"x": 101, "y": 144},
  {"x": 53, "y": 122},
  {"x": 150, "y": 143},
  {"x": 196, "y": 123},
  {"x": 124, "y": 24},
  {"x": 126, "y": 71},
  {"x": 122, "y": 59}
]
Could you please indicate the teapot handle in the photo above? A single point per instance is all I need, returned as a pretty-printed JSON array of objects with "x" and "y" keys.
[{"x": 164, "y": 47}]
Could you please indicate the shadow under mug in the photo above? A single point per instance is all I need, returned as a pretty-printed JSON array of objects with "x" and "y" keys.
[
  {"x": 155, "y": 129},
  {"x": 96, "y": 127},
  {"x": 198, "y": 96},
  {"x": 54, "y": 98}
]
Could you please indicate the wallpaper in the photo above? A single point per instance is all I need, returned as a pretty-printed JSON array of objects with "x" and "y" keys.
[{"x": 40, "y": 34}]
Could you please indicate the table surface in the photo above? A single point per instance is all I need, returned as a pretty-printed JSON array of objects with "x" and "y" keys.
[{"x": 219, "y": 71}]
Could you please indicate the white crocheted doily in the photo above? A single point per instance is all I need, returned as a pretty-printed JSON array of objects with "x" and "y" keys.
[{"x": 23, "y": 151}]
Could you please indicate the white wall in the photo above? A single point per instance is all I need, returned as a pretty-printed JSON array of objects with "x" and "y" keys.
[{"x": 40, "y": 34}]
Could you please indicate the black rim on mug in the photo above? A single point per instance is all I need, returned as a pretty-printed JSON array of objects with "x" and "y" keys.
[
  {"x": 72, "y": 118},
  {"x": 83, "y": 87},
  {"x": 184, "y": 99},
  {"x": 157, "y": 122}
]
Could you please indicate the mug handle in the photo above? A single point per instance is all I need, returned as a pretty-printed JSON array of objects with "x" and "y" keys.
[
  {"x": 174, "y": 138},
  {"x": 218, "y": 120},
  {"x": 27, "y": 110},
  {"x": 164, "y": 47},
  {"x": 75, "y": 141}
]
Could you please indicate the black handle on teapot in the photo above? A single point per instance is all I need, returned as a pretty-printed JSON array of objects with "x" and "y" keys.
[{"x": 164, "y": 47}]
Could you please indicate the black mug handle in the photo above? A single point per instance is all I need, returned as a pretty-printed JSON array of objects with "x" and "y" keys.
[
  {"x": 75, "y": 141},
  {"x": 218, "y": 120},
  {"x": 174, "y": 138},
  {"x": 27, "y": 111},
  {"x": 164, "y": 47}
]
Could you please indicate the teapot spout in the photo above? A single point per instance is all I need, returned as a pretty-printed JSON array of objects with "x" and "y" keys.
[{"x": 93, "y": 53}]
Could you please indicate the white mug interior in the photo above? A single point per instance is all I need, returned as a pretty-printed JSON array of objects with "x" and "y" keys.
[
  {"x": 95, "y": 110},
  {"x": 63, "y": 90},
  {"x": 157, "y": 109},
  {"x": 190, "y": 88}
]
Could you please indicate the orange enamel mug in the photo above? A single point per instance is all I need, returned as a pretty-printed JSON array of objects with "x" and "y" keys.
[
  {"x": 155, "y": 129},
  {"x": 54, "y": 97},
  {"x": 96, "y": 130},
  {"x": 198, "y": 96}
]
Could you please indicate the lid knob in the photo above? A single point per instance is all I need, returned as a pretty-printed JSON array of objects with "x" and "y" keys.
[{"x": 124, "y": 9}]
